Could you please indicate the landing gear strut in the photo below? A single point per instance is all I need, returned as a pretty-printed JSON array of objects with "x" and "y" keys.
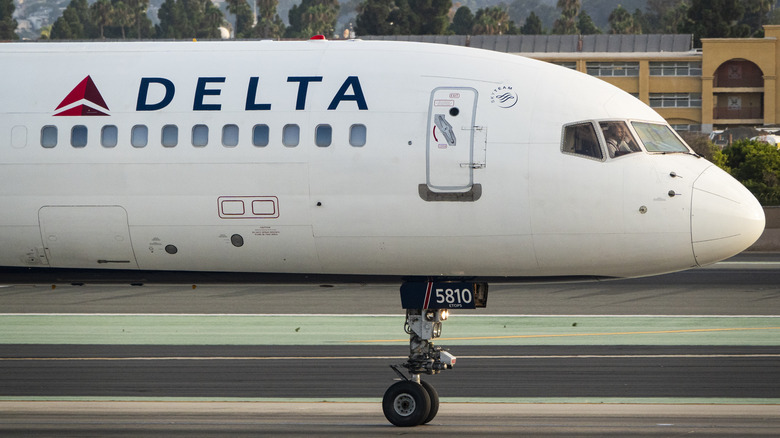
[{"x": 412, "y": 401}]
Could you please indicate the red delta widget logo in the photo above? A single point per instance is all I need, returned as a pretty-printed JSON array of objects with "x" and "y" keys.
[{"x": 83, "y": 100}]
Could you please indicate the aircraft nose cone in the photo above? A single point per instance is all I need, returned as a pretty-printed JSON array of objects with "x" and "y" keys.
[{"x": 725, "y": 217}]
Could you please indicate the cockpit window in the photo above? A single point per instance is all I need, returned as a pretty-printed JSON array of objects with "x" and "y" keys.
[
  {"x": 658, "y": 138},
  {"x": 580, "y": 139},
  {"x": 619, "y": 139}
]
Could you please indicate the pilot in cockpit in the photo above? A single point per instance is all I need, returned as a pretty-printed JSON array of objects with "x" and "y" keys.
[{"x": 619, "y": 139}]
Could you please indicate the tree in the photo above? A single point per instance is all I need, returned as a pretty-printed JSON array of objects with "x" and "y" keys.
[
  {"x": 102, "y": 13},
  {"x": 663, "y": 16},
  {"x": 189, "y": 19},
  {"x": 138, "y": 18},
  {"x": 269, "y": 25},
  {"x": 492, "y": 21},
  {"x": 374, "y": 18},
  {"x": 532, "y": 26},
  {"x": 431, "y": 16},
  {"x": 403, "y": 17},
  {"x": 7, "y": 22},
  {"x": 586, "y": 25},
  {"x": 566, "y": 24},
  {"x": 702, "y": 145},
  {"x": 757, "y": 166},
  {"x": 244, "y": 17},
  {"x": 715, "y": 19},
  {"x": 75, "y": 23},
  {"x": 313, "y": 17},
  {"x": 521, "y": 10},
  {"x": 757, "y": 15},
  {"x": 621, "y": 22},
  {"x": 122, "y": 17},
  {"x": 462, "y": 21}
]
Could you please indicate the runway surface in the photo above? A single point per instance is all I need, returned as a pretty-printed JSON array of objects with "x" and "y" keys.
[
  {"x": 231, "y": 419},
  {"x": 692, "y": 352},
  {"x": 592, "y": 373}
]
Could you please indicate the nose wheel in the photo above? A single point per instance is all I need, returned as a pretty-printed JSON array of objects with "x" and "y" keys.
[
  {"x": 407, "y": 403},
  {"x": 413, "y": 401}
]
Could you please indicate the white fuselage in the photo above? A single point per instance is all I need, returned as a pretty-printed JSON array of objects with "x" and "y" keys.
[{"x": 383, "y": 178}]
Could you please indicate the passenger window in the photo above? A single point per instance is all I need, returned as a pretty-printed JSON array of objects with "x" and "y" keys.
[
  {"x": 200, "y": 135},
  {"x": 170, "y": 136},
  {"x": 139, "y": 136},
  {"x": 78, "y": 136},
  {"x": 323, "y": 135},
  {"x": 619, "y": 139},
  {"x": 230, "y": 135},
  {"x": 580, "y": 139},
  {"x": 49, "y": 136},
  {"x": 260, "y": 135},
  {"x": 109, "y": 136},
  {"x": 291, "y": 135},
  {"x": 357, "y": 135}
]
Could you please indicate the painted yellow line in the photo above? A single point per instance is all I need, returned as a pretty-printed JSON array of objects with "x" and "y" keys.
[{"x": 658, "y": 332}]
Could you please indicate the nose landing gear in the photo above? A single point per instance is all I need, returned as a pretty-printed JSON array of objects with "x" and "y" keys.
[{"x": 412, "y": 401}]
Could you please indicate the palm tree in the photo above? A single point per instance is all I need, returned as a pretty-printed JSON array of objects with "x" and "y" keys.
[
  {"x": 122, "y": 16},
  {"x": 102, "y": 12},
  {"x": 491, "y": 21}
]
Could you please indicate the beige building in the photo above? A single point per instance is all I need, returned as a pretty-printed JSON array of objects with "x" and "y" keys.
[{"x": 728, "y": 82}]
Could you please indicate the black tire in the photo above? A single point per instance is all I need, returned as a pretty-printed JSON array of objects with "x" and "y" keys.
[
  {"x": 434, "y": 395},
  {"x": 406, "y": 404}
]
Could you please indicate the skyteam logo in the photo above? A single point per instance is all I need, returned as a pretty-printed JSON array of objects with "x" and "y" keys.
[
  {"x": 83, "y": 100},
  {"x": 504, "y": 96}
]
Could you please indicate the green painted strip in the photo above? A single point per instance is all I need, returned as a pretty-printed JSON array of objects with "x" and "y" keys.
[
  {"x": 388, "y": 330},
  {"x": 508, "y": 400}
]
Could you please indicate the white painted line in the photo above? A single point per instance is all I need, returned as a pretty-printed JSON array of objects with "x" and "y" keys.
[
  {"x": 486, "y": 357},
  {"x": 370, "y": 315}
]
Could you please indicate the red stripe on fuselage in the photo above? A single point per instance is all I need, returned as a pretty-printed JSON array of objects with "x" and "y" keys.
[{"x": 428, "y": 294}]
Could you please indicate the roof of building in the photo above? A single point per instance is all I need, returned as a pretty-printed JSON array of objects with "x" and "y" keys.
[{"x": 557, "y": 43}]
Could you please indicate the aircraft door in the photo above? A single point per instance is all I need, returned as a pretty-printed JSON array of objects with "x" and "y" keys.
[
  {"x": 450, "y": 140},
  {"x": 87, "y": 237}
]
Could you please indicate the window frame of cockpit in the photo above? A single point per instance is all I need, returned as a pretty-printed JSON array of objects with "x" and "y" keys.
[
  {"x": 631, "y": 130},
  {"x": 672, "y": 130},
  {"x": 599, "y": 139},
  {"x": 629, "y": 123}
]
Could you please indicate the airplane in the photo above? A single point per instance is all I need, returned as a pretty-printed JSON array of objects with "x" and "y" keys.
[{"x": 440, "y": 168}]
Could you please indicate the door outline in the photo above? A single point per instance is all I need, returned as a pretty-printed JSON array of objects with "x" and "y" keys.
[
  {"x": 86, "y": 236},
  {"x": 449, "y": 157}
]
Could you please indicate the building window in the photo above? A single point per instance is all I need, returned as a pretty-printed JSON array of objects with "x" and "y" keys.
[
  {"x": 139, "y": 136},
  {"x": 675, "y": 100},
  {"x": 291, "y": 135},
  {"x": 675, "y": 68},
  {"x": 323, "y": 135},
  {"x": 686, "y": 128},
  {"x": 260, "y": 135},
  {"x": 109, "y": 136},
  {"x": 78, "y": 136},
  {"x": 568, "y": 64},
  {"x": 49, "y": 136},
  {"x": 230, "y": 135},
  {"x": 357, "y": 135},
  {"x": 170, "y": 136},
  {"x": 613, "y": 68},
  {"x": 200, "y": 135}
]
